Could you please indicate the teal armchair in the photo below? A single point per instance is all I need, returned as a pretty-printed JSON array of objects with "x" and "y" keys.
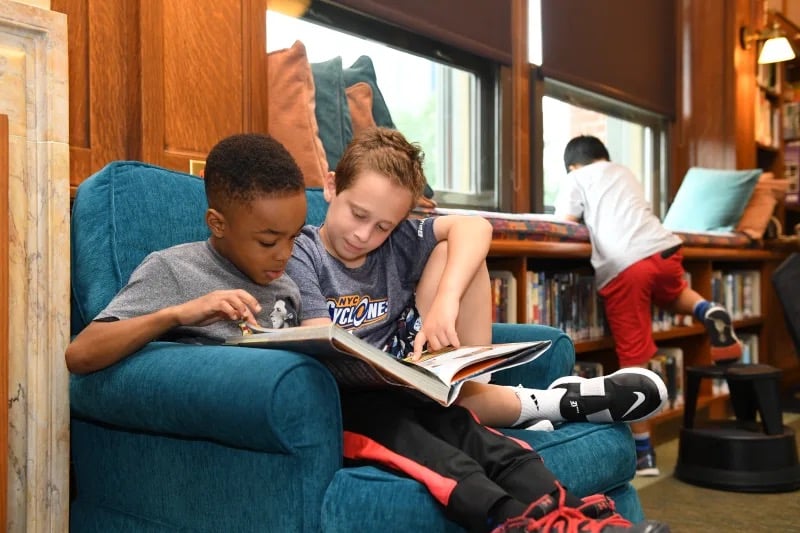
[{"x": 220, "y": 438}]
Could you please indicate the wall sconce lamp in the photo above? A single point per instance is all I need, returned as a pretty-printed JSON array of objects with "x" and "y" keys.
[{"x": 776, "y": 46}]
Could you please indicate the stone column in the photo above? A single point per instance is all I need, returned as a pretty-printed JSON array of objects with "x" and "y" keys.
[{"x": 34, "y": 95}]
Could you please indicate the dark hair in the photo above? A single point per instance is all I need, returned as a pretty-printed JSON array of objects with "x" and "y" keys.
[
  {"x": 584, "y": 150},
  {"x": 387, "y": 152},
  {"x": 245, "y": 166}
]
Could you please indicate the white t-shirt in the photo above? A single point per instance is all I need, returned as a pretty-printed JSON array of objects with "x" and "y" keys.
[{"x": 622, "y": 226}]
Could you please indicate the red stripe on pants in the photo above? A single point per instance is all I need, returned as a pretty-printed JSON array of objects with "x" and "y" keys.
[{"x": 359, "y": 447}]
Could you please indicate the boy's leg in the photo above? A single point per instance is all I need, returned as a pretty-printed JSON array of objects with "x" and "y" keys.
[
  {"x": 521, "y": 472},
  {"x": 501, "y": 406},
  {"x": 405, "y": 434},
  {"x": 628, "y": 308},
  {"x": 474, "y": 321},
  {"x": 494, "y": 405},
  {"x": 671, "y": 292}
]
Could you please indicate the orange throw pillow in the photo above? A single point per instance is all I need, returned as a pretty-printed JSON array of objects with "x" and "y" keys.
[
  {"x": 359, "y": 100},
  {"x": 766, "y": 194},
  {"x": 291, "y": 118}
]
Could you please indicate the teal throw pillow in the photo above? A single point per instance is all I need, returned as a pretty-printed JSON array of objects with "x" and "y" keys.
[
  {"x": 331, "y": 110},
  {"x": 363, "y": 70},
  {"x": 711, "y": 199}
]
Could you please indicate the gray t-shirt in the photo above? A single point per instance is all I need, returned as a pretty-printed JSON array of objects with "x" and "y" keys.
[
  {"x": 188, "y": 271},
  {"x": 370, "y": 300}
]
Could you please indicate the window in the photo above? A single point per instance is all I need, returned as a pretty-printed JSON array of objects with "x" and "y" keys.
[
  {"x": 442, "y": 99},
  {"x": 634, "y": 138}
]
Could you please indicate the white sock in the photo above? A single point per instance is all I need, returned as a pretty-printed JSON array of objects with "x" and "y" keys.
[
  {"x": 537, "y": 404},
  {"x": 541, "y": 425}
]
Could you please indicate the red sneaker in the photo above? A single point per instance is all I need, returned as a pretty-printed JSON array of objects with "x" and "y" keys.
[{"x": 548, "y": 516}]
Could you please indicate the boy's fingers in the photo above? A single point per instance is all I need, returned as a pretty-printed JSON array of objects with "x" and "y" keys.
[
  {"x": 419, "y": 343},
  {"x": 249, "y": 300}
]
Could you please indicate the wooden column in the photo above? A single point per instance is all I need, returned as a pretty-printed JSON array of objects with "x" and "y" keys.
[{"x": 520, "y": 107}]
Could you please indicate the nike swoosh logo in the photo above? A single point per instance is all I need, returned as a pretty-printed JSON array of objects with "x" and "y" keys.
[{"x": 639, "y": 401}]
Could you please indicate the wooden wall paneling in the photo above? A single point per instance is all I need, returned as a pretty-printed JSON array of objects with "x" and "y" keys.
[
  {"x": 202, "y": 64},
  {"x": 78, "y": 42},
  {"x": 4, "y": 304},
  {"x": 255, "y": 60},
  {"x": 744, "y": 62},
  {"x": 706, "y": 111},
  {"x": 103, "y": 83}
]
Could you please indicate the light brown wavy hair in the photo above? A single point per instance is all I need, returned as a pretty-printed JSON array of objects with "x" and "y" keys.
[{"x": 387, "y": 152}]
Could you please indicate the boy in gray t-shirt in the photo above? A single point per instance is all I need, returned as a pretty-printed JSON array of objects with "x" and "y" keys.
[
  {"x": 201, "y": 291},
  {"x": 368, "y": 269},
  {"x": 402, "y": 283}
]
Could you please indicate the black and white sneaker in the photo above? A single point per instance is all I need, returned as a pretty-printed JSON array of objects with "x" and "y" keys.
[
  {"x": 725, "y": 345},
  {"x": 628, "y": 395}
]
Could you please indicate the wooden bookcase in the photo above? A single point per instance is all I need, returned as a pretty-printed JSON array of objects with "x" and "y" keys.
[{"x": 775, "y": 347}]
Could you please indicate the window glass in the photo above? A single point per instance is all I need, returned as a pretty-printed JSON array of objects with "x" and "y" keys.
[
  {"x": 432, "y": 103},
  {"x": 634, "y": 138}
]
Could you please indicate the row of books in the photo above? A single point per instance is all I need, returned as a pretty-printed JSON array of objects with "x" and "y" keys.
[
  {"x": 739, "y": 291},
  {"x": 791, "y": 120},
  {"x": 791, "y": 172},
  {"x": 569, "y": 300},
  {"x": 669, "y": 364},
  {"x": 566, "y": 300},
  {"x": 768, "y": 122}
]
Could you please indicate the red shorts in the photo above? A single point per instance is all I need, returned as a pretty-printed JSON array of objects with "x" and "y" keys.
[{"x": 628, "y": 300}]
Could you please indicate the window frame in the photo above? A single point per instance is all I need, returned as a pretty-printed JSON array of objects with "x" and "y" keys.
[
  {"x": 486, "y": 72},
  {"x": 586, "y": 99}
]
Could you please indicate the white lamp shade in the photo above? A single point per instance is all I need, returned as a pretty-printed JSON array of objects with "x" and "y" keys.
[{"x": 775, "y": 50}]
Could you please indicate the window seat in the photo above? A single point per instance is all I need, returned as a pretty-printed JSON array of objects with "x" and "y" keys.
[{"x": 546, "y": 228}]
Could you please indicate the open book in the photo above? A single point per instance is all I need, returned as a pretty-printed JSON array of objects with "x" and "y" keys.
[{"x": 357, "y": 364}]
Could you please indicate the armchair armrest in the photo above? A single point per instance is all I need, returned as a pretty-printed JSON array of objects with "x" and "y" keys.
[
  {"x": 252, "y": 398},
  {"x": 558, "y": 361}
]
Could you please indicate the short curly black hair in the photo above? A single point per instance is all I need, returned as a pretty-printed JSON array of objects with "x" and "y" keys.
[{"x": 245, "y": 166}]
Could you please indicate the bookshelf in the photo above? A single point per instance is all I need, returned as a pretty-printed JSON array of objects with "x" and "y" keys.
[
  {"x": 777, "y": 122},
  {"x": 703, "y": 265}
]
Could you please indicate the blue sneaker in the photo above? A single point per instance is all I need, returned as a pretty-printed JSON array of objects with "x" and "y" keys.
[{"x": 646, "y": 463}]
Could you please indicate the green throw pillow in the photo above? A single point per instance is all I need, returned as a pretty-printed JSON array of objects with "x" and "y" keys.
[
  {"x": 363, "y": 70},
  {"x": 711, "y": 200},
  {"x": 331, "y": 110}
]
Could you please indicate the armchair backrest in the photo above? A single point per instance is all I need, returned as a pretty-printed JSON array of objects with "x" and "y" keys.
[{"x": 124, "y": 212}]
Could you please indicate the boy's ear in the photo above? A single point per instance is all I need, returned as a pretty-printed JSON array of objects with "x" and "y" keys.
[
  {"x": 216, "y": 222},
  {"x": 329, "y": 186}
]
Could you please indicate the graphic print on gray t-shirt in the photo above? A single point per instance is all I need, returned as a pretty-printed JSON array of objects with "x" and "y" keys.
[
  {"x": 370, "y": 299},
  {"x": 188, "y": 271}
]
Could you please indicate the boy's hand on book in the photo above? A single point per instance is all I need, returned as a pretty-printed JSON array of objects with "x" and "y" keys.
[
  {"x": 235, "y": 304},
  {"x": 438, "y": 330}
]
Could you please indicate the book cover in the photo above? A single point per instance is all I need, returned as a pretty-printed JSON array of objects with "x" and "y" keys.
[{"x": 355, "y": 363}]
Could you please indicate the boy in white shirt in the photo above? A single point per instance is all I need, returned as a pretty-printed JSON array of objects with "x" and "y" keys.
[{"x": 637, "y": 262}]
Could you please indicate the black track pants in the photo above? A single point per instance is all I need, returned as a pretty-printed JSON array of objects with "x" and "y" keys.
[{"x": 467, "y": 467}]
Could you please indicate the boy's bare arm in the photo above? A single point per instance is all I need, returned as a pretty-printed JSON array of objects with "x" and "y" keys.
[
  {"x": 102, "y": 344},
  {"x": 468, "y": 240}
]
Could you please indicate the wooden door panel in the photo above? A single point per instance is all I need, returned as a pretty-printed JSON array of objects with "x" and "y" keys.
[{"x": 203, "y": 67}]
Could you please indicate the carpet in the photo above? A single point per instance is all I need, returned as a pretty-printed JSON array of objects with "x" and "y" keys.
[{"x": 689, "y": 508}]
